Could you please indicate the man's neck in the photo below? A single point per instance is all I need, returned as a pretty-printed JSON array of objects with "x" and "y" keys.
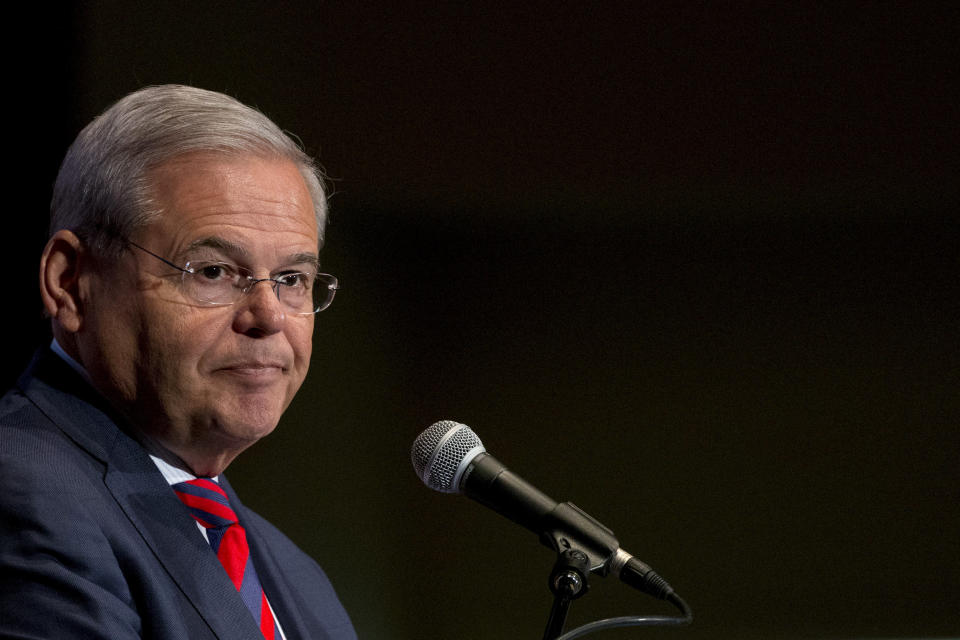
[{"x": 170, "y": 465}]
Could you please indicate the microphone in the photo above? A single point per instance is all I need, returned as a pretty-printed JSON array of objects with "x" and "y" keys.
[{"x": 450, "y": 458}]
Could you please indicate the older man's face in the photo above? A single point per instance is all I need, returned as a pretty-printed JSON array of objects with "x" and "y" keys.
[{"x": 205, "y": 382}]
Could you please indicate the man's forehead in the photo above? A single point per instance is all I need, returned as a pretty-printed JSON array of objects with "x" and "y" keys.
[
  {"x": 239, "y": 250},
  {"x": 229, "y": 201}
]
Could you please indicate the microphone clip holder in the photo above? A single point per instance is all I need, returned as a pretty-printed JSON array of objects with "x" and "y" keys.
[
  {"x": 577, "y": 557},
  {"x": 567, "y": 527}
]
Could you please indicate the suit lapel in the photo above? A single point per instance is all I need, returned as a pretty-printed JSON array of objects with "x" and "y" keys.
[
  {"x": 168, "y": 529},
  {"x": 144, "y": 496},
  {"x": 279, "y": 592}
]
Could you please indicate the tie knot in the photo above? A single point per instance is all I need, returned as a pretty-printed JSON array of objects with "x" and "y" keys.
[{"x": 207, "y": 502}]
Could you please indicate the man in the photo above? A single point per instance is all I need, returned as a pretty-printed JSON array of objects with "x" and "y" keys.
[{"x": 181, "y": 279}]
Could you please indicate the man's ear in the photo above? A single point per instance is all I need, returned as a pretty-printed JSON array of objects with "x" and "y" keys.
[{"x": 60, "y": 268}]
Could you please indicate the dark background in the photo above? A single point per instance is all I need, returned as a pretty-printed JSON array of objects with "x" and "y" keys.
[{"x": 691, "y": 266}]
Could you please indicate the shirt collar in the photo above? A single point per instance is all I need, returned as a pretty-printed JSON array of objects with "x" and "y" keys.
[{"x": 76, "y": 366}]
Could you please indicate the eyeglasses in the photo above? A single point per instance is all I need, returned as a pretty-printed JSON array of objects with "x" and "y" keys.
[{"x": 212, "y": 283}]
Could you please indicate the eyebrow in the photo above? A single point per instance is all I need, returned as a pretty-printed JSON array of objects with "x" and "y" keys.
[
  {"x": 241, "y": 252},
  {"x": 214, "y": 242}
]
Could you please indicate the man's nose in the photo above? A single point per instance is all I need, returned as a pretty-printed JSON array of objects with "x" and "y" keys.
[{"x": 262, "y": 312}]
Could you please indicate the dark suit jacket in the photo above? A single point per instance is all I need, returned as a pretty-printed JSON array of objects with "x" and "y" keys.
[{"x": 94, "y": 543}]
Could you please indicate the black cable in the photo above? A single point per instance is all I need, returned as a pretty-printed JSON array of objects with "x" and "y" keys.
[{"x": 635, "y": 621}]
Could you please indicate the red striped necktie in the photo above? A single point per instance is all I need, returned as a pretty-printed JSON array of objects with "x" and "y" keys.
[{"x": 209, "y": 506}]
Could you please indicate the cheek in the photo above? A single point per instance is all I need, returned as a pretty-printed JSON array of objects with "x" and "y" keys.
[
  {"x": 302, "y": 342},
  {"x": 178, "y": 340},
  {"x": 300, "y": 339},
  {"x": 113, "y": 353},
  {"x": 110, "y": 335}
]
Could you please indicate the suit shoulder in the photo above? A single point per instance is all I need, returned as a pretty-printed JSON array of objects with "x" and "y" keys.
[{"x": 33, "y": 447}]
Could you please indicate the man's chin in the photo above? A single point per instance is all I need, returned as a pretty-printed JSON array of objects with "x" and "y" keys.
[
  {"x": 247, "y": 428},
  {"x": 246, "y": 419}
]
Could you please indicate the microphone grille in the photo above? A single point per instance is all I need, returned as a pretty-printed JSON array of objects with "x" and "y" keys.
[{"x": 441, "y": 452}]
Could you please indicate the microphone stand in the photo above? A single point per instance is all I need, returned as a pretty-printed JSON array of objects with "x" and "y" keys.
[{"x": 568, "y": 581}]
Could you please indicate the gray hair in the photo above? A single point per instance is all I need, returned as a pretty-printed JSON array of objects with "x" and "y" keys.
[{"x": 103, "y": 191}]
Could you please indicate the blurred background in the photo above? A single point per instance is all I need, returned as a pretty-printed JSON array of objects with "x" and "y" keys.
[{"x": 692, "y": 266}]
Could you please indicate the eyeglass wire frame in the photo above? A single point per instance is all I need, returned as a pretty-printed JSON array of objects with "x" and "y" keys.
[{"x": 324, "y": 283}]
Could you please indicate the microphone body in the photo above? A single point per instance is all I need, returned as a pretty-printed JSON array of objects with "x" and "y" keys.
[
  {"x": 450, "y": 458},
  {"x": 561, "y": 526}
]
